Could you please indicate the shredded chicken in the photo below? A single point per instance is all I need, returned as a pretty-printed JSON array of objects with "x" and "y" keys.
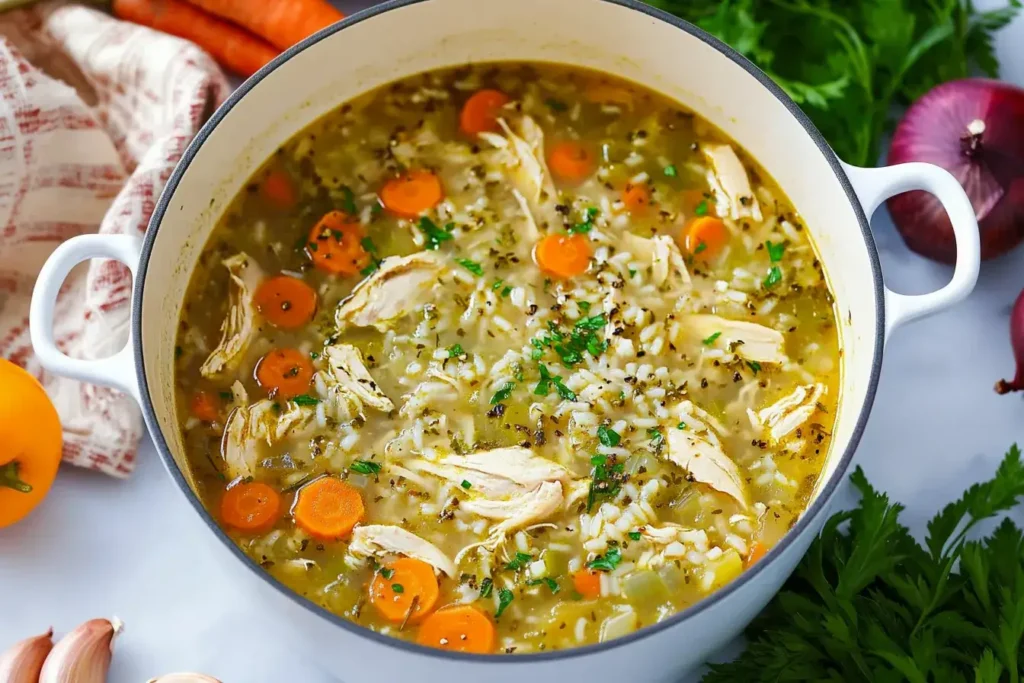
[
  {"x": 513, "y": 514},
  {"x": 398, "y": 287},
  {"x": 242, "y": 320},
  {"x": 532, "y": 174},
  {"x": 266, "y": 422},
  {"x": 747, "y": 340},
  {"x": 354, "y": 380},
  {"x": 784, "y": 416},
  {"x": 707, "y": 463},
  {"x": 730, "y": 183},
  {"x": 498, "y": 473},
  {"x": 663, "y": 255},
  {"x": 382, "y": 539}
]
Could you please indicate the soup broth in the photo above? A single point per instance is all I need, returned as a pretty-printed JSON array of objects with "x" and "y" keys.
[{"x": 508, "y": 358}]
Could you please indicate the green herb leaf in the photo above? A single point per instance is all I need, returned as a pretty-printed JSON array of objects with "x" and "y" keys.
[
  {"x": 304, "y": 400},
  {"x": 701, "y": 246},
  {"x": 519, "y": 561},
  {"x": 775, "y": 250},
  {"x": 709, "y": 340},
  {"x": 386, "y": 572},
  {"x": 607, "y": 562},
  {"x": 486, "y": 586},
  {"x": 681, "y": 425},
  {"x": 228, "y": 396},
  {"x": 470, "y": 265},
  {"x": 547, "y": 581},
  {"x": 497, "y": 285},
  {"x": 555, "y": 105},
  {"x": 592, "y": 323},
  {"x": 635, "y": 535},
  {"x": 608, "y": 437},
  {"x": 670, "y": 171},
  {"x": 702, "y": 208},
  {"x": 505, "y": 291},
  {"x": 348, "y": 202},
  {"x": 435, "y": 235},
  {"x": 655, "y": 435},
  {"x": 505, "y": 597},
  {"x": 466, "y": 484},
  {"x": 365, "y": 467},
  {"x": 455, "y": 350},
  {"x": 503, "y": 393},
  {"x": 584, "y": 306},
  {"x": 398, "y": 588},
  {"x": 773, "y": 278},
  {"x": 754, "y": 366}
]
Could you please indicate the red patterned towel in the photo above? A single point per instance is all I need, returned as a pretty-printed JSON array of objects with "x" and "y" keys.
[{"x": 94, "y": 114}]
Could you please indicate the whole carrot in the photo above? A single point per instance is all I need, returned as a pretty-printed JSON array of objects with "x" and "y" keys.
[
  {"x": 232, "y": 46},
  {"x": 282, "y": 22}
]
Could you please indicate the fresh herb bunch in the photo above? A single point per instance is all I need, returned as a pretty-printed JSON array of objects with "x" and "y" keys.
[
  {"x": 868, "y": 603},
  {"x": 848, "y": 62}
]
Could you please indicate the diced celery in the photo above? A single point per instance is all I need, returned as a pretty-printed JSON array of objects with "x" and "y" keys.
[
  {"x": 623, "y": 622},
  {"x": 721, "y": 571},
  {"x": 645, "y": 587},
  {"x": 557, "y": 562}
]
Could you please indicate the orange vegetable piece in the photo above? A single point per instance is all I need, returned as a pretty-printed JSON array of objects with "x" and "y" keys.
[
  {"x": 410, "y": 195},
  {"x": 571, "y": 162},
  {"x": 336, "y": 244},
  {"x": 756, "y": 552},
  {"x": 458, "y": 628},
  {"x": 693, "y": 198},
  {"x": 587, "y": 583},
  {"x": 252, "y": 506},
  {"x": 636, "y": 198},
  {"x": 277, "y": 188},
  {"x": 285, "y": 301},
  {"x": 480, "y": 112},
  {"x": 328, "y": 509},
  {"x": 30, "y": 443},
  {"x": 411, "y": 580},
  {"x": 205, "y": 406},
  {"x": 563, "y": 255},
  {"x": 284, "y": 373},
  {"x": 706, "y": 237}
]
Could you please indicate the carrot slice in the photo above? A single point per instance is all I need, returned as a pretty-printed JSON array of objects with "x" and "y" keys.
[
  {"x": 563, "y": 255},
  {"x": 328, "y": 509},
  {"x": 480, "y": 112},
  {"x": 409, "y": 591},
  {"x": 277, "y": 188},
  {"x": 636, "y": 198},
  {"x": 285, "y": 301},
  {"x": 251, "y": 506},
  {"x": 571, "y": 162},
  {"x": 284, "y": 373},
  {"x": 706, "y": 237},
  {"x": 410, "y": 195},
  {"x": 458, "y": 628},
  {"x": 205, "y": 406},
  {"x": 336, "y": 244},
  {"x": 756, "y": 552},
  {"x": 587, "y": 583}
]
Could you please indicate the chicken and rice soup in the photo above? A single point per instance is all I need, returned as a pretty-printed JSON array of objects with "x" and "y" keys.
[{"x": 508, "y": 358}]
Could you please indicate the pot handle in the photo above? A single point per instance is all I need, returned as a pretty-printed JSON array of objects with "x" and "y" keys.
[
  {"x": 875, "y": 185},
  {"x": 116, "y": 371}
]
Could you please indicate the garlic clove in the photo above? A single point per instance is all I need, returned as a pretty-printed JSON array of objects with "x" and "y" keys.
[
  {"x": 23, "y": 662},
  {"x": 82, "y": 656},
  {"x": 182, "y": 678}
]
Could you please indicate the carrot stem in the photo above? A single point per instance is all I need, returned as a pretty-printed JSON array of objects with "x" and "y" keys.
[{"x": 9, "y": 477}]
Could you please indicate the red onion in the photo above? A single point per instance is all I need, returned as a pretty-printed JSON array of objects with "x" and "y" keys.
[
  {"x": 1017, "y": 342},
  {"x": 973, "y": 128}
]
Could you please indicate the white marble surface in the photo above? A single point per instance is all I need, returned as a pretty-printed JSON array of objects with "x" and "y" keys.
[{"x": 101, "y": 547}]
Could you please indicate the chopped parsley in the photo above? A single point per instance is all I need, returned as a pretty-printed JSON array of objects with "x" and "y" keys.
[
  {"x": 505, "y": 291},
  {"x": 519, "y": 561},
  {"x": 398, "y": 588},
  {"x": 470, "y": 265},
  {"x": 655, "y": 435},
  {"x": 304, "y": 400},
  {"x": 486, "y": 586},
  {"x": 584, "y": 306},
  {"x": 775, "y": 250},
  {"x": 635, "y": 535},
  {"x": 466, "y": 484},
  {"x": 701, "y": 246},
  {"x": 365, "y": 467},
  {"x": 711, "y": 339},
  {"x": 435, "y": 235},
  {"x": 503, "y": 393},
  {"x": 348, "y": 201},
  {"x": 583, "y": 337},
  {"x": 386, "y": 572},
  {"x": 229, "y": 396},
  {"x": 681, "y": 425},
  {"x": 547, "y": 581},
  {"x": 608, "y": 437},
  {"x": 371, "y": 249},
  {"x": 314, "y": 354},
  {"x": 455, "y": 350},
  {"x": 586, "y": 224},
  {"x": 505, "y": 598},
  {"x": 497, "y": 285},
  {"x": 607, "y": 562},
  {"x": 556, "y": 105},
  {"x": 604, "y": 480},
  {"x": 543, "y": 387},
  {"x": 632, "y": 273},
  {"x": 670, "y": 171},
  {"x": 754, "y": 366},
  {"x": 701, "y": 208},
  {"x": 773, "y": 278},
  {"x": 592, "y": 323}
]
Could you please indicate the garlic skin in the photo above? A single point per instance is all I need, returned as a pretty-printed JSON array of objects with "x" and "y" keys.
[
  {"x": 178, "y": 678},
  {"x": 83, "y": 655},
  {"x": 23, "y": 662}
]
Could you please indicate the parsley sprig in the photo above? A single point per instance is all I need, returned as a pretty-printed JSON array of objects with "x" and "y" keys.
[{"x": 869, "y": 603}]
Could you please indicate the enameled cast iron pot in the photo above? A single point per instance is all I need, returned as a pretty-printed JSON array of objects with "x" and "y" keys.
[{"x": 621, "y": 37}]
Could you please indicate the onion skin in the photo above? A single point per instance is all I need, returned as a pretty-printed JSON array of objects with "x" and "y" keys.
[
  {"x": 182, "y": 678},
  {"x": 1017, "y": 342},
  {"x": 23, "y": 662},
  {"x": 82, "y": 656},
  {"x": 942, "y": 128}
]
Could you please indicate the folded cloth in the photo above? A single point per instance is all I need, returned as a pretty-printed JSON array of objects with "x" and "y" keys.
[{"x": 94, "y": 114}]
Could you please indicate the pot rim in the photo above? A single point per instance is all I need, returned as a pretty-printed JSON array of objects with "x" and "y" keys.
[{"x": 817, "y": 507}]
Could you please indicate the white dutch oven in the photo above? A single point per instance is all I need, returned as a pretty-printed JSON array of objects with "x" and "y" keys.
[{"x": 621, "y": 37}]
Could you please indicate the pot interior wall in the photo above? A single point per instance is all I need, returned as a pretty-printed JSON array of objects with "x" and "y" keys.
[{"x": 597, "y": 34}]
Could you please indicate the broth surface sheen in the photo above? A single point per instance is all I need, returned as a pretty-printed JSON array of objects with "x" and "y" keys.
[{"x": 508, "y": 358}]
